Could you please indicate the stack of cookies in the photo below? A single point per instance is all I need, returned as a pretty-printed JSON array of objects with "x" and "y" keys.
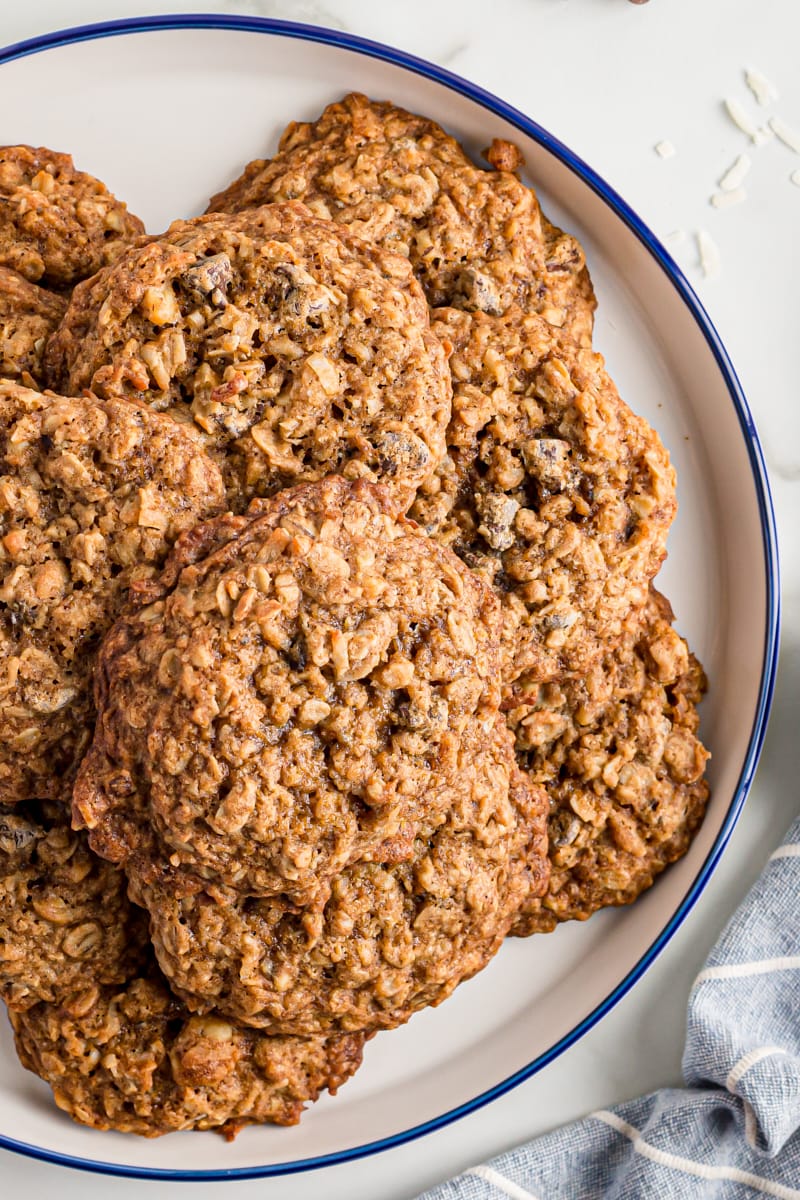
[{"x": 331, "y": 655}]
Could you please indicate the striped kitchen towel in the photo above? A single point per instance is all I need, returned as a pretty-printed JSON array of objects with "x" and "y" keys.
[{"x": 733, "y": 1132}]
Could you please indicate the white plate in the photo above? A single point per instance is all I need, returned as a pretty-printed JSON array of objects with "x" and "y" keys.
[{"x": 166, "y": 111}]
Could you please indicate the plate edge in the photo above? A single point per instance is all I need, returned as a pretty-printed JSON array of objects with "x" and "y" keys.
[{"x": 486, "y": 99}]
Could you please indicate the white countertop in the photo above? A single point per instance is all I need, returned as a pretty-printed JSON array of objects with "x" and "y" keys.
[{"x": 610, "y": 79}]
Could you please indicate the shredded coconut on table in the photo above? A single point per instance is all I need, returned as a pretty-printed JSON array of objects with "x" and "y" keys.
[
  {"x": 709, "y": 254},
  {"x": 726, "y": 199},
  {"x": 675, "y": 237},
  {"x": 763, "y": 90},
  {"x": 732, "y": 179},
  {"x": 790, "y": 137},
  {"x": 730, "y": 191},
  {"x": 736, "y": 112}
]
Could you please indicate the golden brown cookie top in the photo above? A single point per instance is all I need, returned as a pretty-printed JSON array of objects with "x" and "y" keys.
[
  {"x": 57, "y": 225},
  {"x": 475, "y": 238},
  {"x": 618, "y": 751},
  {"x": 28, "y": 316},
  {"x": 392, "y": 937},
  {"x": 92, "y": 496},
  {"x": 296, "y": 350},
  {"x": 307, "y": 675},
  {"x": 554, "y": 492}
]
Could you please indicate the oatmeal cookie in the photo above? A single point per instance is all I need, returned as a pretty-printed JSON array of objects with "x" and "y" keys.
[
  {"x": 304, "y": 690},
  {"x": 57, "y": 225},
  {"x": 476, "y": 239},
  {"x": 64, "y": 913},
  {"x": 296, "y": 349},
  {"x": 28, "y": 316},
  {"x": 95, "y": 1019},
  {"x": 392, "y": 937},
  {"x": 554, "y": 492},
  {"x": 132, "y": 1059},
  {"x": 92, "y": 495},
  {"x": 618, "y": 753}
]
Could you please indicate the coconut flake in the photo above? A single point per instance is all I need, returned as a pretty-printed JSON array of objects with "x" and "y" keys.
[
  {"x": 726, "y": 199},
  {"x": 758, "y": 136},
  {"x": 665, "y": 149},
  {"x": 675, "y": 237},
  {"x": 709, "y": 254},
  {"x": 732, "y": 179},
  {"x": 764, "y": 91},
  {"x": 787, "y": 135}
]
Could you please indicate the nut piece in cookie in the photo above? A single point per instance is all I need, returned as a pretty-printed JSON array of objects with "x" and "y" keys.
[
  {"x": 296, "y": 350},
  {"x": 476, "y": 239},
  {"x": 619, "y": 755},
  {"x": 553, "y": 491},
  {"x": 28, "y": 316},
  {"x": 391, "y": 938},
  {"x": 64, "y": 915},
  {"x": 306, "y": 689},
  {"x": 92, "y": 496},
  {"x": 57, "y": 225}
]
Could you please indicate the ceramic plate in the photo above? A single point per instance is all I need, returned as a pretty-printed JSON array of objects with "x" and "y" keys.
[{"x": 166, "y": 111}]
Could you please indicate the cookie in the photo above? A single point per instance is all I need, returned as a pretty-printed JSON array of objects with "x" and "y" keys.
[
  {"x": 64, "y": 913},
  {"x": 132, "y": 1059},
  {"x": 391, "y": 938},
  {"x": 476, "y": 239},
  {"x": 619, "y": 756},
  {"x": 313, "y": 678},
  {"x": 92, "y": 496},
  {"x": 94, "y": 1018},
  {"x": 554, "y": 492},
  {"x": 57, "y": 225},
  {"x": 28, "y": 316},
  {"x": 295, "y": 349}
]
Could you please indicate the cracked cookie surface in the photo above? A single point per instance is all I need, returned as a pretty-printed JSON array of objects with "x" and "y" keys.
[
  {"x": 295, "y": 349},
  {"x": 476, "y": 239},
  {"x": 313, "y": 678},
  {"x": 57, "y": 225},
  {"x": 619, "y": 754},
  {"x": 92, "y": 496}
]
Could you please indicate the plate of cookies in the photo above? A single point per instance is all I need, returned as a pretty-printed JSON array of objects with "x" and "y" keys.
[{"x": 388, "y": 597}]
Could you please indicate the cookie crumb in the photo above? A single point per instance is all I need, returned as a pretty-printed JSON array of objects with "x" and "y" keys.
[
  {"x": 504, "y": 156},
  {"x": 795, "y": 178},
  {"x": 664, "y": 149}
]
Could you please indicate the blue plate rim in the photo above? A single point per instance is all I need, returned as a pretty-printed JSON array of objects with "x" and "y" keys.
[{"x": 385, "y": 53}]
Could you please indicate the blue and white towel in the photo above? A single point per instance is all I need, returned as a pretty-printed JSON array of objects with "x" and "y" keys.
[{"x": 733, "y": 1133}]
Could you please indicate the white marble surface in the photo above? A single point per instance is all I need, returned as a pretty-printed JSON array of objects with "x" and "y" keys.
[{"x": 610, "y": 79}]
